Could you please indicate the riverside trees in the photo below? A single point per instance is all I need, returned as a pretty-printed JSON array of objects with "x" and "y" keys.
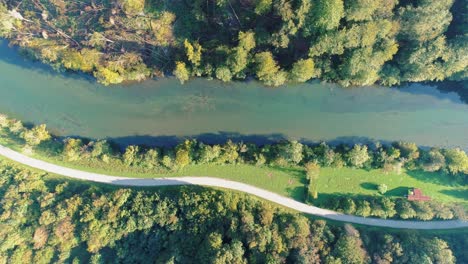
[
  {"x": 300, "y": 159},
  {"x": 356, "y": 42}
]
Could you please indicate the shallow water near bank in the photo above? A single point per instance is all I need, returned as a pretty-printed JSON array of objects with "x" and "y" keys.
[{"x": 163, "y": 111}]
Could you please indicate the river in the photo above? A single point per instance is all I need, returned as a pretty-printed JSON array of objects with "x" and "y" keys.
[{"x": 164, "y": 111}]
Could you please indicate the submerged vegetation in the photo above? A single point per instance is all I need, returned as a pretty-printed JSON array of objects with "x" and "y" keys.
[
  {"x": 45, "y": 219},
  {"x": 310, "y": 173},
  {"x": 356, "y": 42}
]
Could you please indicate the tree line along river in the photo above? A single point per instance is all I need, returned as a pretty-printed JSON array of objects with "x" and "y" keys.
[{"x": 163, "y": 111}]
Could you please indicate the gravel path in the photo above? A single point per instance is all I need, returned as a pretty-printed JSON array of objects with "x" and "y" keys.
[{"x": 216, "y": 182}]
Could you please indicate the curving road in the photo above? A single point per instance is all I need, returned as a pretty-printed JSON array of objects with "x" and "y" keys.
[{"x": 215, "y": 182}]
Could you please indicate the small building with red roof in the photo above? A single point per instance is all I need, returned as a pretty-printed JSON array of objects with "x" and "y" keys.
[{"x": 416, "y": 195}]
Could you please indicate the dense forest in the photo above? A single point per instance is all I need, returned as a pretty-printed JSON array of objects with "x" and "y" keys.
[
  {"x": 446, "y": 163},
  {"x": 45, "y": 219},
  {"x": 352, "y": 42}
]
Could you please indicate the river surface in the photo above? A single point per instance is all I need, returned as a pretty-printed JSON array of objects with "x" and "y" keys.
[{"x": 163, "y": 111}]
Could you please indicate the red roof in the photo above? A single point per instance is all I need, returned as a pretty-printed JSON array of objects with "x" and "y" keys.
[{"x": 417, "y": 195}]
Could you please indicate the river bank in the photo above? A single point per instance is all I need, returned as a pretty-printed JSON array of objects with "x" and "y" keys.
[{"x": 163, "y": 112}]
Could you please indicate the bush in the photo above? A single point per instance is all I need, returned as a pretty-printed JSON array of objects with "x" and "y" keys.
[
  {"x": 405, "y": 209},
  {"x": 181, "y": 72},
  {"x": 224, "y": 74},
  {"x": 382, "y": 188},
  {"x": 36, "y": 135},
  {"x": 72, "y": 149},
  {"x": 131, "y": 157}
]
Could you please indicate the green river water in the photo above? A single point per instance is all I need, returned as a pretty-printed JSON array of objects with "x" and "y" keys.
[{"x": 163, "y": 111}]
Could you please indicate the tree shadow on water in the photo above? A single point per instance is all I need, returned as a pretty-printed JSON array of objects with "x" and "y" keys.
[{"x": 13, "y": 55}]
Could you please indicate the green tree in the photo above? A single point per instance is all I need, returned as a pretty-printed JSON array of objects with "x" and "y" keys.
[
  {"x": 224, "y": 74},
  {"x": 425, "y": 21},
  {"x": 302, "y": 71},
  {"x": 132, "y": 7},
  {"x": 292, "y": 151},
  {"x": 433, "y": 160},
  {"x": 360, "y": 10},
  {"x": 357, "y": 156},
  {"x": 194, "y": 52},
  {"x": 312, "y": 175},
  {"x": 107, "y": 76},
  {"x": 263, "y": 6},
  {"x": 208, "y": 153},
  {"x": 124, "y": 67},
  {"x": 163, "y": 28},
  {"x": 36, "y": 135},
  {"x": 182, "y": 158},
  {"x": 423, "y": 211},
  {"x": 238, "y": 58},
  {"x": 4, "y": 121},
  {"x": 150, "y": 159},
  {"x": 97, "y": 40},
  {"x": 348, "y": 205},
  {"x": 267, "y": 69},
  {"x": 409, "y": 151},
  {"x": 72, "y": 149},
  {"x": 247, "y": 40},
  {"x": 167, "y": 161},
  {"x": 131, "y": 156},
  {"x": 99, "y": 148},
  {"x": 349, "y": 249},
  {"x": 388, "y": 206},
  {"x": 230, "y": 152},
  {"x": 441, "y": 252},
  {"x": 405, "y": 210},
  {"x": 7, "y": 22},
  {"x": 363, "y": 208},
  {"x": 325, "y": 15},
  {"x": 312, "y": 170},
  {"x": 181, "y": 72},
  {"x": 457, "y": 160}
]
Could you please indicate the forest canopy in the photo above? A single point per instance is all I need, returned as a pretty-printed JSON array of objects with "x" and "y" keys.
[
  {"x": 352, "y": 42},
  {"x": 46, "y": 219}
]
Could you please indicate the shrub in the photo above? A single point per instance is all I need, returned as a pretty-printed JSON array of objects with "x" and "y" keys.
[
  {"x": 382, "y": 188},
  {"x": 72, "y": 149},
  {"x": 36, "y": 135}
]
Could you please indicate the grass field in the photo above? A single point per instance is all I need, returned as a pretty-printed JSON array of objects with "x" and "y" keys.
[
  {"x": 287, "y": 182},
  {"x": 346, "y": 181}
]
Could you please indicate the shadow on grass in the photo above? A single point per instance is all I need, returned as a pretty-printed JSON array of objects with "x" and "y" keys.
[
  {"x": 298, "y": 174},
  {"x": 462, "y": 194},
  {"x": 398, "y": 192},
  {"x": 369, "y": 186},
  {"x": 394, "y": 193},
  {"x": 332, "y": 200},
  {"x": 433, "y": 177},
  {"x": 297, "y": 193}
]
